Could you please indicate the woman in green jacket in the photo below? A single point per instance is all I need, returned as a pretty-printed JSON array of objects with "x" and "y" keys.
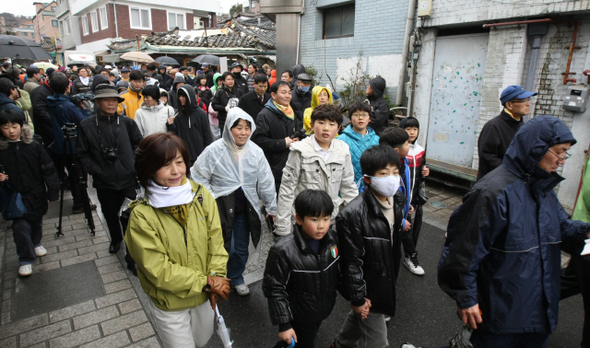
[{"x": 174, "y": 235}]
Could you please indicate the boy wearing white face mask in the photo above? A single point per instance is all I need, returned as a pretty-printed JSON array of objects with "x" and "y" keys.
[
  {"x": 398, "y": 138},
  {"x": 369, "y": 232}
]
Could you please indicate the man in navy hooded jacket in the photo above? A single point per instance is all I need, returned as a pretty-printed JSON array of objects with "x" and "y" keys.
[{"x": 501, "y": 260}]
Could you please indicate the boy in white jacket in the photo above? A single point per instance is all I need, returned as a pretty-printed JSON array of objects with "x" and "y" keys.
[
  {"x": 153, "y": 115},
  {"x": 318, "y": 162}
]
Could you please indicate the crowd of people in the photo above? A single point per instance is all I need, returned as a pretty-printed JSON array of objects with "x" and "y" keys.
[{"x": 208, "y": 157}]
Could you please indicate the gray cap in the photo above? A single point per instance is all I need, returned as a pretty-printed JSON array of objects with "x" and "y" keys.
[{"x": 304, "y": 77}]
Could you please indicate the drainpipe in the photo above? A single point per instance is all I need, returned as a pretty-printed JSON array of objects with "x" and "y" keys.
[
  {"x": 116, "y": 24},
  {"x": 536, "y": 31},
  {"x": 409, "y": 28}
]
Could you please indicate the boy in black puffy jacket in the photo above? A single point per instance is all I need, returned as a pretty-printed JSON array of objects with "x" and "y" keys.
[
  {"x": 301, "y": 276},
  {"x": 28, "y": 170}
]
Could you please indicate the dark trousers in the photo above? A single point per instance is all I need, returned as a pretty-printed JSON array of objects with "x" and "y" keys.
[
  {"x": 305, "y": 332},
  {"x": 110, "y": 205},
  {"x": 575, "y": 279},
  {"x": 410, "y": 238},
  {"x": 62, "y": 162},
  {"x": 27, "y": 235},
  {"x": 482, "y": 339}
]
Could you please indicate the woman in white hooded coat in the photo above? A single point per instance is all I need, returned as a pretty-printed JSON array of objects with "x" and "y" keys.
[
  {"x": 235, "y": 171},
  {"x": 153, "y": 115}
]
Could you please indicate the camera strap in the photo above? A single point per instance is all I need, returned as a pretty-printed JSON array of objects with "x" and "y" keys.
[{"x": 116, "y": 146}]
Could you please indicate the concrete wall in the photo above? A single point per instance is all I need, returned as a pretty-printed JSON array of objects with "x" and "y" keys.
[
  {"x": 378, "y": 35},
  {"x": 451, "y": 12},
  {"x": 508, "y": 62}
]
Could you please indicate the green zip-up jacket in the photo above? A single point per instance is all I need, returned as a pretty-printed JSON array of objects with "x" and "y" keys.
[{"x": 173, "y": 262}]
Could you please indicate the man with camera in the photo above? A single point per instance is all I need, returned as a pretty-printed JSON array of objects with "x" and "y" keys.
[
  {"x": 64, "y": 112},
  {"x": 106, "y": 147}
]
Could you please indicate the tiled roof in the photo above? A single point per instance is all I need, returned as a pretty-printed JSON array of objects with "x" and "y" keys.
[{"x": 257, "y": 33}]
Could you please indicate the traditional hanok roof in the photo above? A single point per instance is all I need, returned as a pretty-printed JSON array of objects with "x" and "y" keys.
[{"x": 250, "y": 34}]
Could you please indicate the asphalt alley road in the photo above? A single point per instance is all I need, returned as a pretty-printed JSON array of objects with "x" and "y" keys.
[{"x": 425, "y": 314}]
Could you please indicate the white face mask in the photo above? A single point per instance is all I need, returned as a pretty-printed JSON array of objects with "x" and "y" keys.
[{"x": 386, "y": 186}]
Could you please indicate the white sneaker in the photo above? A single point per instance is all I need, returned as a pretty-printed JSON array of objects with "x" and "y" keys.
[
  {"x": 387, "y": 318},
  {"x": 242, "y": 290},
  {"x": 40, "y": 251},
  {"x": 411, "y": 262},
  {"x": 408, "y": 345},
  {"x": 25, "y": 270}
]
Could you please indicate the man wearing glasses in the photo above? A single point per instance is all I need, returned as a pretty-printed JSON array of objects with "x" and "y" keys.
[
  {"x": 497, "y": 133},
  {"x": 502, "y": 257}
]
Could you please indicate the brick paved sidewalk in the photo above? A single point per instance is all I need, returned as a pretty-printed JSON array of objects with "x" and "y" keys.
[{"x": 96, "y": 308}]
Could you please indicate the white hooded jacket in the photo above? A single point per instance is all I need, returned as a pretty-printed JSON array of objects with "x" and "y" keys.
[
  {"x": 223, "y": 168},
  {"x": 153, "y": 119}
]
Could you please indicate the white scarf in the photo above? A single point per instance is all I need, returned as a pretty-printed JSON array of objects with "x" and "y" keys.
[
  {"x": 84, "y": 80},
  {"x": 163, "y": 196}
]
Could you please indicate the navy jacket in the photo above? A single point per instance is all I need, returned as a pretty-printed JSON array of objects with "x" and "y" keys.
[
  {"x": 503, "y": 245},
  {"x": 62, "y": 111},
  {"x": 9, "y": 104}
]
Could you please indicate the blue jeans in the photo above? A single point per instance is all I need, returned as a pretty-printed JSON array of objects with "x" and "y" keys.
[
  {"x": 238, "y": 255},
  {"x": 27, "y": 236}
]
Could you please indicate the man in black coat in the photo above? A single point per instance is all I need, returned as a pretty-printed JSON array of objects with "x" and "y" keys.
[
  {"x": 106, "y": 149},
  {"x": 41, "y": 117},
  {"x": 240, "y": 81},
  {"x": 497, "y": 133},
  {"x": 301, "y": 95},
  {"x": 253, "y": 102},
  {"x": 380, "y": 115},
  {"x": 275, "y": 125}
]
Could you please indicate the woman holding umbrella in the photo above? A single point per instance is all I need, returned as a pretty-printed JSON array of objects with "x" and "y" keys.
[
  {"x": 174, "y": 235},
  {"x": 237, "y": 174}
]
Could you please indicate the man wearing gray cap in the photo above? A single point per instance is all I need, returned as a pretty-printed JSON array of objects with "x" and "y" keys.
[
  {"x": 106, "y": 147},
  {"x": 498, "y": 132},
  {"x": 301, "y": 95}
]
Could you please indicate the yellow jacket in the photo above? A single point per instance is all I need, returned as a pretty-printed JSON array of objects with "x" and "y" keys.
[
  {"x": 315, "y": 92},
  {"x": 131, "y": 104},
  {"x": 173, "y": 262}
]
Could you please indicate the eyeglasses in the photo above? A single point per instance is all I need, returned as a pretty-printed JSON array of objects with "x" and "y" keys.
[
  {"x": 562, "y": 158},
  {"x": 360, "y": 115}
]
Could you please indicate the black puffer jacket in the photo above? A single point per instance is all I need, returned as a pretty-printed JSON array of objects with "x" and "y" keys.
[
  {"x": 380, "y": 115},
  {"x": 272, "y": 127},
  {"x": 118, "y": 132},
  {"x": 299, "y": 284},
  {"x": 30, "y": 170},
  {"x": 370, "y": 259},
  {"x": 241, "y": 82}
]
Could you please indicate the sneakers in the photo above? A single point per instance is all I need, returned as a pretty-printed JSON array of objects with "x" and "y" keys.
[
  {"x": 411, "y": 262},
  {"x": 242, "y": 290},
  {"x": 25, "y": 270},
  {"x": 408, "y": 345},
  {"x": 40, "y": 251},
  {"x": 387, "y": 318}
]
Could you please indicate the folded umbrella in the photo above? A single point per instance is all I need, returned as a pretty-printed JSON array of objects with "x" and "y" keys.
[{"x": 222, "y": 330}]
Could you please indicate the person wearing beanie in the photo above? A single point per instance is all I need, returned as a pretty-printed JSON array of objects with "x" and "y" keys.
[
  {"x": 132, "y": 99},
  {"x": 153, "y": 115}
]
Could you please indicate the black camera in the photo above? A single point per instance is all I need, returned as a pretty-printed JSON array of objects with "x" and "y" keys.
[
  {"x": 299, "y": 134},
  {"x": 110, "y": 154},
  {"x": 69, "y": 130}
]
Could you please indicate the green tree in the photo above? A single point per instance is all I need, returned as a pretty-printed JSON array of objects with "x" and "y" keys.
[{"x": 235, "y": 9}]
